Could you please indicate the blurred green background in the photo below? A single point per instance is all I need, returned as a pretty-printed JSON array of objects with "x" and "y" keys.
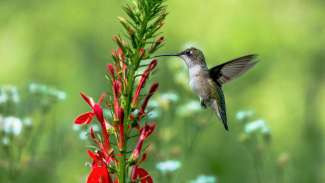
[{"x": 67, "y": 44}]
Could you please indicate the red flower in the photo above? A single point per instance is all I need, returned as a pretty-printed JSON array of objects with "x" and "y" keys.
[
  {"x": 99, "y": 172},
  {"x": 97, "y": 111},
  {"x": 145, "y": 132},
  {"x": 87, "y": 117},
  {"x": 140, "y": 174},
  {"x": 152, "y": 90},
  {"x": 142, "y": 82}
]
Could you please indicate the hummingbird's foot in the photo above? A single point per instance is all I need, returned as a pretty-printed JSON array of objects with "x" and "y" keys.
[{"x": 203, "y": 105}]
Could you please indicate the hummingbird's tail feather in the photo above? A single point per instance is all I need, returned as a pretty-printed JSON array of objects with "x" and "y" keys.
[{"x": 219, "y": 106}]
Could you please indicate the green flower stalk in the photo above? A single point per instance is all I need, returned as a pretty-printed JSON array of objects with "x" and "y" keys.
[{"x": 113, "y": 158}]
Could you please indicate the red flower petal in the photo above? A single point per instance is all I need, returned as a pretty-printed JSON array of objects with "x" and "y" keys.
[
  {"x": 84, "y": 118},
  {"x": 145, "y": 132},
  {"x": 92, "y": 155},
  {"x": 110, "y": 69},
  {"x": 89, "y": 100},
  {"x": 140, "y": 174},
  {"x": 152, "y": 90},
  {"x": 99, "y": 175},
  {"x": 101, "y": 98},
  {"x": 142, "y": 81},
  {"x": 148, "y": 129},
  {"x": 99, "y": 112}
]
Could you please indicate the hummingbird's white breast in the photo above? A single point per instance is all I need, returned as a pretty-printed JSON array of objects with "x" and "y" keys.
[{"x": 198, "y": 80}]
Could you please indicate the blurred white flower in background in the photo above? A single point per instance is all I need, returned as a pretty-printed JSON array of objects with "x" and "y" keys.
[
  {"x": 168, "y": 166},
  {"x": 188, "y": 108},
  {"x": 36, "y": 88},
  {"x": 83, "y": 135},
  {"x": 27, "y": 121},
  {"x": 95, "y": 127},
  {"x": 258, "y": 125},
  {"x": 205, "y": 179},
  {"x": 76, "y": 127},
  {"x": 1, "y": 122},
  {"x": 61, "y": 95},
  {"x": 9, "y": 93},
  {"x": 15, "y": 95},
  {"x": 241, "y": 115},
  {"x": 5, "y": 141},
  {"x": 3, "y": 97},
  {"x": 169, "y": 96},
  {"x": 12, "y": 125},
  {"x": 153, "y": 114},
  {"x": 153, "y": 103}
]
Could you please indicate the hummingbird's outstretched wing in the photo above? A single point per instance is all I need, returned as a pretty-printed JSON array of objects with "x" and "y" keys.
[{"x": 226, "y": 72}]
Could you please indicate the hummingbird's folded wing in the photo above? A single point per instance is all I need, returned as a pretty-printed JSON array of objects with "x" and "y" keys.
[{"x": 232, "y": 69}]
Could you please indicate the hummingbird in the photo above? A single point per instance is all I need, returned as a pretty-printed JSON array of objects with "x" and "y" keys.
[{"x": 207, "y": 83}]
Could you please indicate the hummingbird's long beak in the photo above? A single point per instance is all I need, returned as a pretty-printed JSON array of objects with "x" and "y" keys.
[{"x": 168, "y": 55}]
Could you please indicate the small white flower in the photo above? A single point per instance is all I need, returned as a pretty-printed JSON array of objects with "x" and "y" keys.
[
  {"x": 76, "y": 127},
  {"x": 14, "y": 94},
  {"x": 5, "y": 141},
  {"x": 3, "y": 98},
  {"x": 1, "y": 123},
  {"x": 15, "y": 98},
  {"x": 153, "y": 114},
  {"x": 61, "y": 95},
  {"x": 27, "y": 121},
  {"x": 170, "y": 96},
  {"x": 153, "y": 104},
  {"x": 83, "y": 135},
  {"x": 254, "y": 126},
  {"x": 188, "y": 108},
  {"x": 243, "y": 114},
  {"x": 168, "y": 166},
  {"x": 95, "y": 127},
  {"x": 12, "y": 125},
  {"x": 32, "y": 87},
  {"x": 205, "y": 179}
]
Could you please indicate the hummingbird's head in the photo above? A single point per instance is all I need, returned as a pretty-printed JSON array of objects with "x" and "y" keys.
[{"x": 191, "y": 56}]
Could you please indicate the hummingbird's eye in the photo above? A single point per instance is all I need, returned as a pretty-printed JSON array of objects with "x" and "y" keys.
[{"x": 189, "y": 52}]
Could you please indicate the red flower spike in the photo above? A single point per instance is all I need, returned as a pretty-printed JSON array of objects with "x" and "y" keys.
[
  {"x": 84, "y": 118},
  {"x": 140, "y": 174},
  {"x": 145, "y": 132}
]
